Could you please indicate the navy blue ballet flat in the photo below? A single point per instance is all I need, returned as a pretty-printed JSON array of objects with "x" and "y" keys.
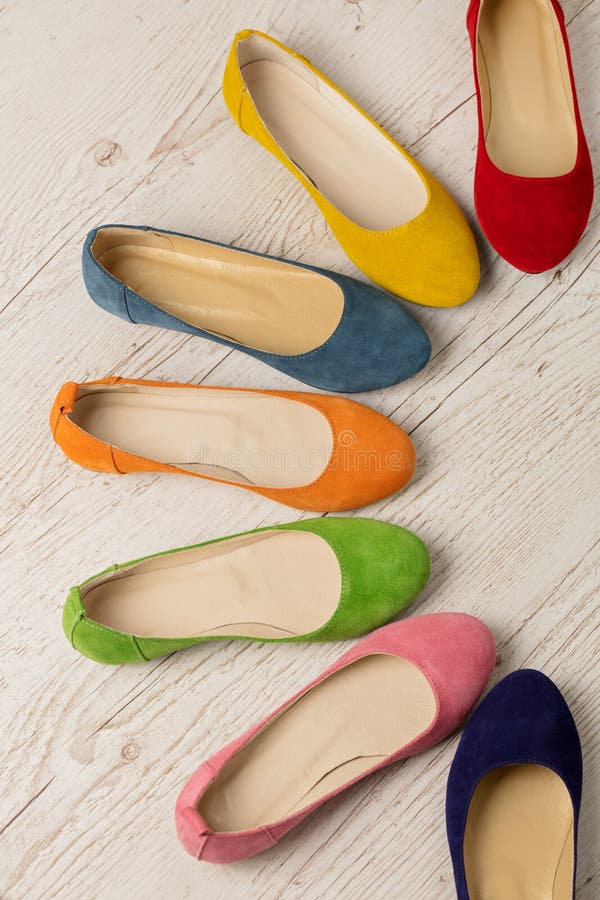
[
  {"x": 324, "y": 329},
  {"x": 514, "y": 793}
]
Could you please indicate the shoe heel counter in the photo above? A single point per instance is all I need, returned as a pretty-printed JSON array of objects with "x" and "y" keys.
[
  {"x": 76, "y": 444},
  {"x": 239, "y": 103},
  {"x": 73, "y": 611},
  {"x": 101, "y": 644},
  {"x": 105, "y": 291},
  {"x": 233, "y": 84}
]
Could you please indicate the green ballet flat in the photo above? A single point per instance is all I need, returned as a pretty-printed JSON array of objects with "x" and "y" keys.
[{"x": 323, "y": 579}]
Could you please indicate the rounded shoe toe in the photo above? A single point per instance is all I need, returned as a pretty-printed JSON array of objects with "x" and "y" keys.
[
  {"x": 444, "y": 262},
  {"x": 469, "y": 659},
  {"x": 389, "y": 568},
  {"x": 459, "y": 653},
  {"x": 455, "y": 651},
  {"x": 402, "y": 349},
  {"x": 404, "y": 563},
  {"x": 374, "y": 457},
  {"x": 377, "y": 343},
  {"x": 370, "y": 459},
  {"x": 431, "y": 260},
  {"x": 392, "y": 345},
  {"x": 526, "y": 695},
  {"x": 451, "y": 259},
  {"x": 534, "y": 223}
]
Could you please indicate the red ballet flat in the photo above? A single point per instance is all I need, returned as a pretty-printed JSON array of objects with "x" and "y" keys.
[{"x": 533, "y": 177}]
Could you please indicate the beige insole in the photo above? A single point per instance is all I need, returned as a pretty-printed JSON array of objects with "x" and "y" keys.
[
  {"x": 239, "y": 436},
  {"x": 519, "y": 836},
  {"x": 346, "y": 158},
  {"x": 275, "y": 584},
  {"x": 527, "y": 100},
  {"x": 337, "y": 731},
  {"x": 260, "y": 303}
]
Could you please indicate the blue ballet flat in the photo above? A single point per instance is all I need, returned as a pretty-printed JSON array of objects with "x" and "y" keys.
[
  {"x": 514, "y": 794},
  {"x": 327, "y": 330}
]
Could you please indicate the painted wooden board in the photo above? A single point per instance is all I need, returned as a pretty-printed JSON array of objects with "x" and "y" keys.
[{"x": 112, "y": 111}]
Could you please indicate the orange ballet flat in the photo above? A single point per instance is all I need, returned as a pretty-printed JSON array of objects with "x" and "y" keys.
[{"x": 308, "y": 451}]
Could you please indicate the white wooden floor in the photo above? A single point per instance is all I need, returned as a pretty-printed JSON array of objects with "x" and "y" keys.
[{"x": 111, "y": 112}]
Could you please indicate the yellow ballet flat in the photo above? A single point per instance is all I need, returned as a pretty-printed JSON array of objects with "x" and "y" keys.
[{"x": 391, "y": 217}]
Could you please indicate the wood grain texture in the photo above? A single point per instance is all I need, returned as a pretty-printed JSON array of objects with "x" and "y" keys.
[{"x": 112, "y": 111}]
